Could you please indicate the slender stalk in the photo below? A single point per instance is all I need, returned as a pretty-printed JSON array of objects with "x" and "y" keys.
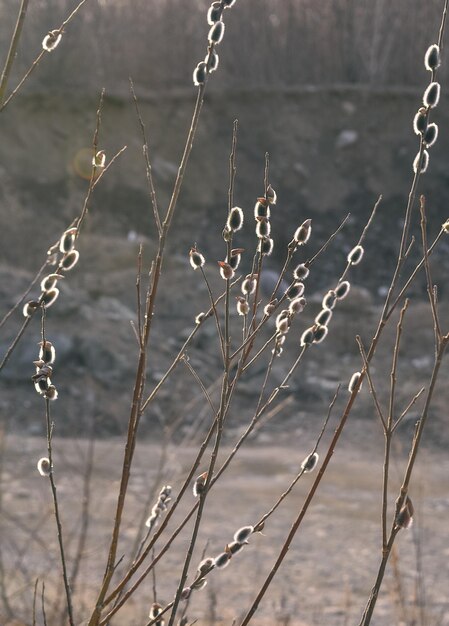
[
  {"x": 34, "y": 601},
  {"x": 146, "y": 156},
  {"x": 3, "y": 578},
  {"x": 430, "y": 288},
  {"x": 214, "y": 309},
  {"x": 44, "y": 615},
  {"x": 13, "y": 49},
  {"x": 24, "y": 295},
  {"x": 86, "y": 506},
  {"x": 14, "y": 343},
  {"x": 68, "y": 593},
  {"x": 282, "y": 497}
]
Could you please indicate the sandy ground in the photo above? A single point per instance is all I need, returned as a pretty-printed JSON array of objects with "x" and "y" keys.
[{"x": 325, "y": 578}]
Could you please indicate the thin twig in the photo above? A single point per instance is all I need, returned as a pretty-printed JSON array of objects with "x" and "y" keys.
[
  {"x": 214, "y": 309},
  {"x": 370, "y": 382},
  {"x": 139, "y": 294},
  {"x": 57, "y": 515},
  {"x": 12, "y": 49},
  {"x": 86, "y": 505},
  {"x": 282, "y": 497},
  {"x": 389, "y": 429},
  {"x": 200, "y": 383},
  {"x": 430, "y": 287},
  {"x": 14, "y": 343},
  {"x": 148, "y": 169},
  {"x": 178, "y": 357},
  {"x": 25, "y": 293},
  {"x": 34, "y": 601},
  {"x": 44, "y": 616},
  {"x": 407, "y": 408},
  {"x": 232, "y": 166}
]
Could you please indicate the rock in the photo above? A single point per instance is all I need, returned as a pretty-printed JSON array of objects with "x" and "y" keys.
[
  {"x": 346, "y": 138},
  {"x": 107, "y": 308},
  {"x": 106, "y": 361}
]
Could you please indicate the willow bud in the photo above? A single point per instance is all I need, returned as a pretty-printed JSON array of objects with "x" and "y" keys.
[
  {"x": 265, "y": 246},
  {"x": 226, "y": 271},
  {"x": 69, "y": 260},
  {"x": 216, "y": 33},
  {"x": 47, "y": 352},
  {"x": 354, "y": 381},
  {"x": 199, "y": 74},
  {"x": 261, "y": 208},
  {"x": 30, "y": 308},
  {"x": 199, "y": 484},
  {"x": 431, "y": 95},
  {"x": 235, "y": 219},
  {"x": 196, "y": 258},
  {"x": 432, "y": 58},
  {"x": 49, "y": 297},
  {"x": 43, "y": 466},
  {"x": 308, "y": 336},
  {"x": 301, "y": 272},
  {"x": 431, "y": 135},
  {"x": 50, "y": 281},
  {"x": 236, "y": 255},
  {"x": 342, "y": 290},
  {"x": 242, "y": 534},
  {"x": 297, "y": 306},
  {"x": 324, "y": 317},
  {"x": 420, "y": 121},
  {"x": 67, "y": 241},
  {"x": 249, "y": 284},
  {"x": 263, "y": 227},
  {"x": 242, "y": 306},
  {"x": 421, "y": 162},
  {"x": 320, "y": 334},
  {"x": 404, "y": 518},
  {"x": 212, "y": 60},
  {"x": 310, "y": 462},
  {"x": 52, "y": 40},
  {"x": 295, "y": 291},
  {"x": 222, "y": 560},
  {"x": 214, "y": 13},
  {"x": 356, "y": 255},
  {"x": 302, "y": 234},
  {"x": 329, "y": 300}
]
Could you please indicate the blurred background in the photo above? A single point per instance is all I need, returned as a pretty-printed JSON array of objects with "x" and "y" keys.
[{"x": 329, "y": 89}]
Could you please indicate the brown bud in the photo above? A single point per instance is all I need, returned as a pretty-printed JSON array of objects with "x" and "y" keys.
[
  {"x": 196, "y": 258},
  {"x": 404, "y": 518},
  {"x": 199, "y": 484},
  {"x": 226, "y": 271}
]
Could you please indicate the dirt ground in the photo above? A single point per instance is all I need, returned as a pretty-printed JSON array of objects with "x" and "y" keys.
[{"x": 329, "y": 569}]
